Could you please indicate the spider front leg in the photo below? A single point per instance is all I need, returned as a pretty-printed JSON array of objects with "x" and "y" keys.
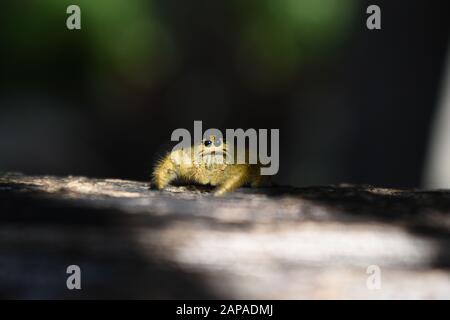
[
  {"x": 231, "y": 183},
  {"x": 164, "y": 173}
]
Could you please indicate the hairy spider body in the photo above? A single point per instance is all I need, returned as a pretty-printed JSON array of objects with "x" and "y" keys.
[{"x": 205, "y": 164}]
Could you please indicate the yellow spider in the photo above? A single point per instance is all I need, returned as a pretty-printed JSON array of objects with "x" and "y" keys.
[{"x": 205, "y": 164}]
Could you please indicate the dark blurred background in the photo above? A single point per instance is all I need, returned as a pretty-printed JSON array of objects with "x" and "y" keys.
[{"x": 352, "y": 105}]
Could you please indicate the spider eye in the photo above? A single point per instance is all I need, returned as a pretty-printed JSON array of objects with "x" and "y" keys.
[
  {"x": 217, "y": 142},
  {"x": 207, "y": 143}
]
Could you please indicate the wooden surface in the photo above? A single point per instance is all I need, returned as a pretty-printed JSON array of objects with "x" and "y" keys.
[{"x": 278, "y": 243}]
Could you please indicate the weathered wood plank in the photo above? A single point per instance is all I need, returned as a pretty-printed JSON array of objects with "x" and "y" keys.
[{"x": 134, "y": 242}]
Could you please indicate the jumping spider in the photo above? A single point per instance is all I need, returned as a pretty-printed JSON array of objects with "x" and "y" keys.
[{"x": 205, "y": 164}]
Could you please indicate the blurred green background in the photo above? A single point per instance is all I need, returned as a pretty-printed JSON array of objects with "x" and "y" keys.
[{"x": 352, "y": 105}]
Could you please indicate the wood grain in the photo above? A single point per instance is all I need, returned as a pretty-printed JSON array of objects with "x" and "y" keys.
[{"x": 278, "y": 243}]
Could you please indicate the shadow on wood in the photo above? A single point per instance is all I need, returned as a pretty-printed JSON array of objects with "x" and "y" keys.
[{"x": 134, "y": 242}]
